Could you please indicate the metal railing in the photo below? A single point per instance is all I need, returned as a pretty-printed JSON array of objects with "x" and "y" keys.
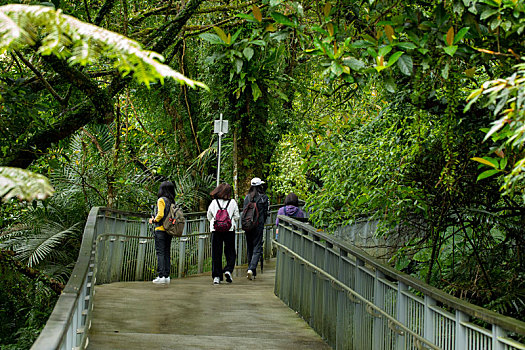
[
  {"x": 355, "y": 302},
  {"x": 119, "y": 246}
]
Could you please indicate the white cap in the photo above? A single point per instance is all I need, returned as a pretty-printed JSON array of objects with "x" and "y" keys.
[{"x": 256, "y": 181}]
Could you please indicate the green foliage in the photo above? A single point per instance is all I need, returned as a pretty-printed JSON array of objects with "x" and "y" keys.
[
  {"x": 23, "y": 185},
  {"x": 80, "y": 43},
  {"x": 25, "y": 305},
  {"x": 289, "y": 167},
  {"x": 507, "y": 97}
]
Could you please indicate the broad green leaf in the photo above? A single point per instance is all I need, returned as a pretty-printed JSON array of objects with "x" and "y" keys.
[
  {"x": 393, "y": 58},
  {"x": 487, "y": 161},
  {"x": 248, "y": 53},
  {"x": 234, "y": 37},
  {"x": 487, "y": 173},
  {"x": 221, "y": 34},
  {"x": 390, "y": 84},
  {"x": 488, "y": 12},
  {"x": 406, "y": 45},
  {"x": 498, "y": 124},
  {"x": 354, "y": 63},
  {"x": 258, "y": 42},
  {"x": 450, "y": 50},
  {"x": 336, "y": 68},
  {"x": 256, "y": 92},
  {"x": 405, "y": 64},
  {"x": 385, "y": 50},
  {"x": 238, "y": 65},
  {"x": 462, "y": 32},
  {"x": 503, "y": 163},
  {"x": 246, "y": 16},
  {"x": 360, "y": 44},
  {"x": 282, "y": 19}
]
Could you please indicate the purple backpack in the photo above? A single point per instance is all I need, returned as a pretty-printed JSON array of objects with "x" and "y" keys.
[{"x": 222, "y": 222}]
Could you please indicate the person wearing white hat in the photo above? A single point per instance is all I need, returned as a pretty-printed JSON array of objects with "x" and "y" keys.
[{"x": 254, "y": 236}]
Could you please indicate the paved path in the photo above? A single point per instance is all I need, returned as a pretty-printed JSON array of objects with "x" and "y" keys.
[{"x": 192, "y": 313}]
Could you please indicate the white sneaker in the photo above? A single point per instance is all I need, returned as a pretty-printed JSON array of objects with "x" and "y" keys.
[
  {"x": 228, "y": 277},
  {"x": 216, "y": 280},
  {"x": 160, "y": 280},
  {"x": 167, "y": 280},
  {"x": 249, "y": 275}
]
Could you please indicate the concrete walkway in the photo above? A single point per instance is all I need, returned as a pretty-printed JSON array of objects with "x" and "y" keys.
[{"x": 192, "y": 313}]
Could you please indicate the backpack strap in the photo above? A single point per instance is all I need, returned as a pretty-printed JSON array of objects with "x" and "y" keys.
[
  {"x": 220, "y": 208},
  {"x": 228, "y": 204}
]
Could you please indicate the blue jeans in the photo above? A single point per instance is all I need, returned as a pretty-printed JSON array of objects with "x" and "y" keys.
[{"x": 162, "y": 247}]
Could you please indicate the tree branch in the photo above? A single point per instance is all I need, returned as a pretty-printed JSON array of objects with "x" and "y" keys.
[
  {"x": 41, "y": 78},
  {"x": 168, "y": 34},
  {"x": 104, "y": 10}
]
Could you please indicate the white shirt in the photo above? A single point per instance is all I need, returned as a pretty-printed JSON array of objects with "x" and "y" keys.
[{"x": 233, "y": 212}]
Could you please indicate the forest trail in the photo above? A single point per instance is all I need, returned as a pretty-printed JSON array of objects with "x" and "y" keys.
[{"x": 192, "y": 313}]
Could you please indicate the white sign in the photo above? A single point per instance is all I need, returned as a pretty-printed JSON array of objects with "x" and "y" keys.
[{"x": 220, "y": 126}]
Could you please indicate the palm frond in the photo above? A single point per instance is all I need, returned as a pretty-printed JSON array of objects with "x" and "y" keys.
[
  {"x": 23, "y": 184},
  {"x": 81, "y": 43}
]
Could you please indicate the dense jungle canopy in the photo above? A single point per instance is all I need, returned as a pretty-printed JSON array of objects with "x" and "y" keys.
[{"x": 411, "y": 112}]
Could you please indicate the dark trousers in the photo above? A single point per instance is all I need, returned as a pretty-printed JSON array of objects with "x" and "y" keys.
[
  {"x": 162, "y": 247},
  {"x": 218, "y": 239},
  {"x": 254, "y": 247}
]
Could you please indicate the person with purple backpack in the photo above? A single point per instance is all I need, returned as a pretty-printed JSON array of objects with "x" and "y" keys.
[
  {"x": 223, "y": 214},
  {"x": 291, "y": 208}
]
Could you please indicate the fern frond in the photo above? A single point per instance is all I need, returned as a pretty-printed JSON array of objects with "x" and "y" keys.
[
  {"x": 23, "y": 184},
  {"x": 81, "y": 43}
]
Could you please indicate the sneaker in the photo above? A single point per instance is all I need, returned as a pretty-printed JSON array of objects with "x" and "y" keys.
[
  {"x": 228, "y": 277},
  {"x": 250, "y": 275},
  {"x": 160, "y": 280},
  {"x": 216, "y": 280},
  {"x": 167, "y": 280}
]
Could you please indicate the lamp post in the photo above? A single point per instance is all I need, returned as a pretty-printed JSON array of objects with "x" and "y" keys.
[{"x": 220, "y": 127}]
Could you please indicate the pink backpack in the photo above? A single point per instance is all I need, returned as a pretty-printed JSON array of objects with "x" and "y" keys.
[{"x": 222, "y": 222}]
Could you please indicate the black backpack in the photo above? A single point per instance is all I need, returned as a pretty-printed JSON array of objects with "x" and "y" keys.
[
  {"x": 250, "y": 216},
  {"x": 222, "y": 222}
]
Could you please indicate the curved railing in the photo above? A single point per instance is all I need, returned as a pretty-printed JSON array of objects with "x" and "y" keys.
[
  {"x": 355, "y": 302},
  {"x": 119, "y": 246}
]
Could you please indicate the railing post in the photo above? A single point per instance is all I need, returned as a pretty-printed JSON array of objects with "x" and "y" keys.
[
  {"x": 401, "y": 313},
  {"x": 497, "y": 331},
  {"x": 182, "y": 255},
  {"x": 377, "y": 323},
  {"x": 461, "y": 333},
  {"x": 200, "y": 248},
  {"x": 359, "y": 342},
  {"x": 139, "y": 270},
  {"x": 428, "y": 322}
]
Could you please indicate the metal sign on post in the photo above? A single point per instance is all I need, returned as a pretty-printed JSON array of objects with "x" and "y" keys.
[{"x": 220, "y": 127}]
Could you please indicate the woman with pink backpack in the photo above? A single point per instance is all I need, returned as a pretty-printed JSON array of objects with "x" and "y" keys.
[{"x": 223, "y": 214}]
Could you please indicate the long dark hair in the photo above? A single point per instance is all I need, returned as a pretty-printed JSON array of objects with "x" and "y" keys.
[
  {"x": 223, "y": 191},
  {"x": 291, "y": 199},
  {"x": 167, "y": 189},
  {"x": 255, "y": 190}
]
